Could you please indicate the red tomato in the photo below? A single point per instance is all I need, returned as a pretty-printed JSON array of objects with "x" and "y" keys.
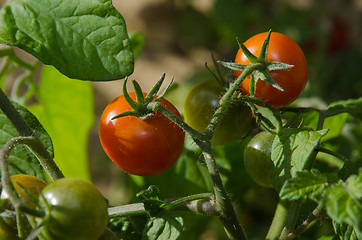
[
  {"x": 281, "y": 49},
  {"x": 140, "y": 147}
]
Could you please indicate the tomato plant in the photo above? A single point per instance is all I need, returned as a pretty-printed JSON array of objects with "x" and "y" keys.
[
  {"x": 75, "y": 210},
  {"x": 309, "y": 156},
  {"x": 257, "y": 158},
  {"x": 281, "y": 49},
  {"x": 200, "y": 105},
  {"x": 140, "y": 146}
]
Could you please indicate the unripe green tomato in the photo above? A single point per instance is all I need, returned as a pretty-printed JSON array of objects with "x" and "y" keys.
[
  {"x": 200, "y": 105},
  {"x": 257, "y": 158},
  {"x": 32, "y": 184},
  {"x": 78, "y": 211}
]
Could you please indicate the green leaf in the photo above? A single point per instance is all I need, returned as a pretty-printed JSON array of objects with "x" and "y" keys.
[
  {"x": 344, "y": 202},
  {"x": 335, "y": 124},
  {"x": 66, "y": 110},
  {"x": 83, "y": 39},
  {"x": 152, "y": 200},
  {"x": 292, "y": 150},
  {"x": 167, "y": 226},
  {"x": 306, "y": 184},
  {"x": 345, "y": 232},
  {"x": 351, "y": 106},
  {"x": 21, "y": 160},
  {"x": 326, "y": 238}
]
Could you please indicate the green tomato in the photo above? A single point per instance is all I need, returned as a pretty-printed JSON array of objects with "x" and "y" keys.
[
  {"x": 257, "y": 158},
  {"x": 200, "y": 105},
  {"x": 76, "y": 210}
]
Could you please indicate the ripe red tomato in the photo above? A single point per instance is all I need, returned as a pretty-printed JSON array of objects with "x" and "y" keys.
[
  {"x": 281, "y": 49},
  {"x": 140, "y": 147}
]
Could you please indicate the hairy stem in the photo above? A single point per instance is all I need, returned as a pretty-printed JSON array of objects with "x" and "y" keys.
[{"x": 227, "y": 213}]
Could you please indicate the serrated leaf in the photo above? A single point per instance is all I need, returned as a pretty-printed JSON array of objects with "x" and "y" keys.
[
  {"x": 344, "y": 202},
  {"x": 305, "y": 185},
  {"x": 292, "y": 148},
  {"x": 335, "y": 124},
  {"x": 66, "y": 110},
  {"x": 152, "y": 200},
  {"x": 345, "y": 232},
  {"x": 21, "y": 160},
  {"x": 83, "y": 39},
  {"x": 167, "y": 226}
]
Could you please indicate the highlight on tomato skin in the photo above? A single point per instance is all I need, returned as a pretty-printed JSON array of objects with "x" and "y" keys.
[
  {"x": 78, "y": 210},
  {"x": 140, "y": 147},
  {"x": 257, "y": 158},
  {"x": 281, "y": 49}
]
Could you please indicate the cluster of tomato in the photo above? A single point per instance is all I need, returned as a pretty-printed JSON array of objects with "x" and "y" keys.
[
  {"x": 75, "y": 209},
  {"x": 151, "y": 146},
  {"x": 72, "y": 209}
]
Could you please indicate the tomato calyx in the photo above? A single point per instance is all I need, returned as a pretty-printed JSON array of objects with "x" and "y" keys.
[
  {"x": 259, "y": 66},
  {"x": 143, "y": 107}
]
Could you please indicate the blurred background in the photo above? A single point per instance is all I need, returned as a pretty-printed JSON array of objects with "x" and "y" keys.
[{"x": 181, "y": 36}]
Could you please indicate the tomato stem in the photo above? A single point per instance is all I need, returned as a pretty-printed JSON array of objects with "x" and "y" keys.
[
  {"x": 201, "y": 203},
  {"x": 28, "y": 138},
  {"x": 279, "y": 220},
  {"x": 197, "y": 136},
  {"x": 223, "y": 202},
  {"x": 306, "y": 224}
]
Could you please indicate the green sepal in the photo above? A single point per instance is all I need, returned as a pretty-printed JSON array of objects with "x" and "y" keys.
[
  {"x": 125, "y": 114},
  {"x": 134, "y": 105},
  {"x": 152, "y": 94},
  {"x": 251, "y": 57},
  {"x": 139, "y": 93},
  {"x": 233, "y": 66},
  {"x": 263, "y": 56},
  {"x": 160, "y": 96},
  {"x": 265, "y": 76}
]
